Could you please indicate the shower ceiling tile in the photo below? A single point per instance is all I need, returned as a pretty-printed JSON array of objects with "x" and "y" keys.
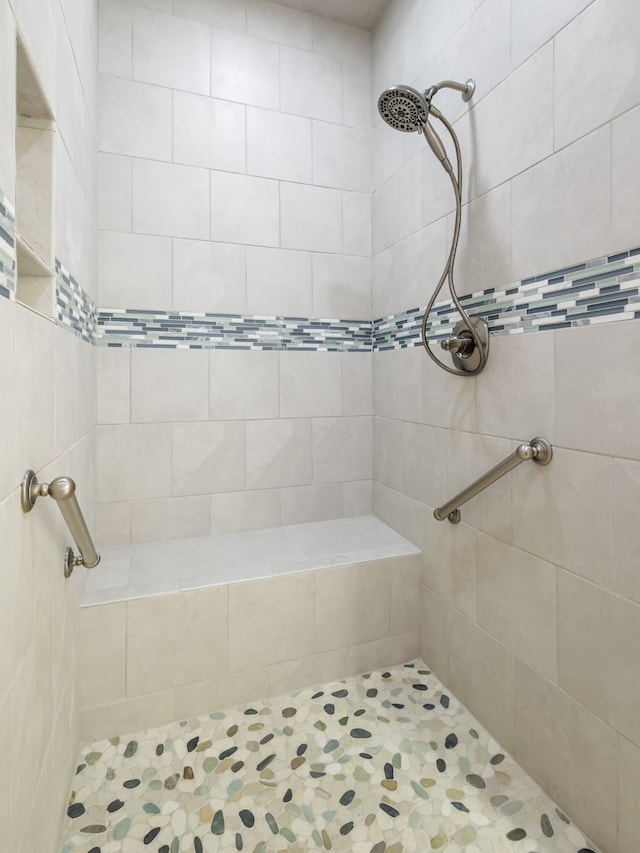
[{"x": 357, "y": 13}]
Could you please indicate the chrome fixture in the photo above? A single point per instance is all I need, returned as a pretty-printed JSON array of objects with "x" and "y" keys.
[
  {"x": 63, "y": 491},
  {"x": 406, "y": 109},
  {"x": 538, "y": 450}
]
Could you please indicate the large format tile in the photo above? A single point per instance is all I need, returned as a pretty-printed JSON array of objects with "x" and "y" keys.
[{"x": 169, "y": 385}]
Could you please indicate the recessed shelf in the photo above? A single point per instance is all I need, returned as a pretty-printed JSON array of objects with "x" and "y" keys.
[{"x": 29, "y": 261}]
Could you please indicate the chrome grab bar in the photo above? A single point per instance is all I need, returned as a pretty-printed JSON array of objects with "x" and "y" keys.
[
  {"x": 539, "y": 450},
  {"x": 63, "y": 491}
]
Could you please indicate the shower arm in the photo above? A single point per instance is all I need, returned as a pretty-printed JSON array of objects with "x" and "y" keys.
[{"x": 466, "y": 89}]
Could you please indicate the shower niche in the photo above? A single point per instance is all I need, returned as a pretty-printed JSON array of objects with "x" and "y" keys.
[{"x": 35, "y": 148}]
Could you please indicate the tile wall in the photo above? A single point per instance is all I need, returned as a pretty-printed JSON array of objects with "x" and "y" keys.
[
  {"x": 531, "y": 606},
  {"x": 237, "y": 642},
  {"x": 47, "y": 423},
  {"x": 234, "y": 166}
]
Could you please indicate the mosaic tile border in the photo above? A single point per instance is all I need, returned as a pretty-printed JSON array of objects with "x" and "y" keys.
[
  {"x": 7, "y": 249},
  {"x": 602, "y": 290},
  {"x": 175, "y": 329},
  {"x": 75, "y": 310}
]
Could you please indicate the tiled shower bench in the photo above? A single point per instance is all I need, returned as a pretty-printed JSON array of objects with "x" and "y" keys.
[{"x": 173, "y": 629}]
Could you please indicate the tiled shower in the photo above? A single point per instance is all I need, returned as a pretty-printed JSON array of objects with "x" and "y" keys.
[{"x": 213, "y": 260}]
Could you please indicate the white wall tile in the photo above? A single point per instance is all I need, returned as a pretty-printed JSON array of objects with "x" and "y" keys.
[
  {"x": 310, "y": 384},
  {"x": 342, "y": 449},
  {"x": 245, "y": 69},
  {"x": 278, "y": 145},
  {"x": 600, "y": 46},
  {"x": 548, "y": 226},
  {"x": 300, "y": 504},
  {"x": 113, "y": 380},
  {"x": 628, "y": 796},
  {"x": 101, "y": 645},
  {"x": 311, "y": 218},
  {"x": 626, "y": 484},
  {"x": 170, "y": 200},
  {"x": 169, "y": 385},
  {"x": 244, "y": 209},
  {"x": 208, "y": 132},
  {"x": 252, "y": 510},
  {"x": 357, "y": 380},
  {"x": 169, "y": 518},
  {"x": 341, "y": 157},
  {"x": 170, "y": 51},
  {"x": 278, "y": 453},
  {"x": 279, "y": 282},
  {"x": 229, "y": 14},
  {"x": 133, "y": 461},
  {"x": 310, "y": 84},
  {"x": 341, "y": 286},
  {"x": 510, "y": 139},
  {"x": 113, "y": 524},
  {"x": 208, "y": 277},
  {"x": 286, "y": 26},
  {"x": 356, "y": 224},
  {"x": 357, "y": 498},
  {"x": 208, "y": 458},
  {"x": 531, "y": 28},
  {"x": 244, "y": 385},
  {"x": 356, "y": 95},
  {"x": 342, "y": 41},
  {"x": 114, "y": 44},
  {"x": 134, "y": 270},
  {"x": 625, "y": 180},
  {"x": 114, "y": 192}
]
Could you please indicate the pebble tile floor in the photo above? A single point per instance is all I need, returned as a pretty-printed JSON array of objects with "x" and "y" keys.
[{"x": 387, "y": 762}]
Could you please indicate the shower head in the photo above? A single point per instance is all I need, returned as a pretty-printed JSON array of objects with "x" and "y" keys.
[{"x": 404, "y": 108}]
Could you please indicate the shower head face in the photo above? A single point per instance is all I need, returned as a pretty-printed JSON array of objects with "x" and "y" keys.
[{"x": 404, "y": 108}]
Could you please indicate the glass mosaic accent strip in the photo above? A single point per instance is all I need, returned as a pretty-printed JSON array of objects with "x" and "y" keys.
[
  {"x": 231, "y": 331},
  {"x": 598, "y": 291},
  {"x": 75, "y": 311},
  {"x": 7, "y": 249}
]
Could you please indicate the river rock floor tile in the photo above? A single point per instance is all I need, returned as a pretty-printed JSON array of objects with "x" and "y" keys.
[{"x": 387, "y": 762}]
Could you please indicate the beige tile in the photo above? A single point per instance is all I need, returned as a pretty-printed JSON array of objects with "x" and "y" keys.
[
  {"x": 625, "y": 178},
  {"x": 113, "y": 524},
  {"x": 170, "y": 518},
  {"x": 507, "y": 406},
  {"x": 101, "y": 654},
  {"x": 590, "y": 414},
  {"x": 113, "y": 377},
  {"x": 568, "y": 751},
  {"x": 469, "y": 457},
  {"x": 352, "y": 604},
  {"x": 244, "y": 385},
  {"x": 399, "y": 384},
  {"x": 628, "y": 797},
  {"x": 342, "y": 449},
  {"x": 626, "y": 551},
  {"x": 130, "y": 715},
  {"x": 405, "y": 515},
  {"x": 598, "y": 639},
  {"x": 450, "y": 562},
  {"x": 387, "y": 438},
  {"x": 563, "y": 512},
  {"x": 222, "y": 692},
  {"x": 406, "y": 577},
  {"x": 175, "y": 639},
  {"x": 299, "y": 504},
  {"x": 133, "y": 461},
  {"x": 446, "y": 400},
  {"x": 310, "y": 384},
  {"x": 516, "y": 602},
  {"x": 357, "y": 498},
  {"x": 279, "y": 453},
  {"x": 532, "y": 27},
  {"x": 270, "y": 621},
  {"x": 6, "y": 735},
  {"x": 481, "y": 676},
  {"x": 381, "y": 653},
  {"x": 208, "y": 457},
  {"x": 304, "y": 672},
  {"x": 169, "y": 385},
  {"x": 424, "y": 461},
  {"x": 548, "y": 227},
  {"x": 599, "y": 45},
  {"x": 484, "y": 255},
  {"x": 236, "y": 511},
  {"x": 435, "y": 632}
]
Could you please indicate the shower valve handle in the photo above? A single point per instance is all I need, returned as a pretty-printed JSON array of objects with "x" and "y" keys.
[{"x": 461, "y": 345}]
